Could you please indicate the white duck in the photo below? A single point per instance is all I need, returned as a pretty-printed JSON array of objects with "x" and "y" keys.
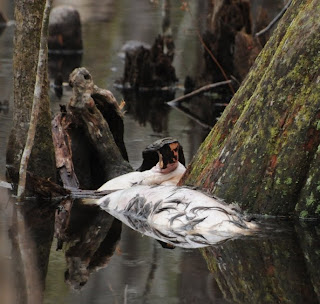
[
  {"x": 167, "y": 171},
  {"x": 177, "y": 215},
  {"x": 151, "y": 203}
]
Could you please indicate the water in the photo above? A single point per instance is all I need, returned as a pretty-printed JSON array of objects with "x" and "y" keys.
[{"x": 105, "y": 262}]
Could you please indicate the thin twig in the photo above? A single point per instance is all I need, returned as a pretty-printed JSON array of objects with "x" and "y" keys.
[
  {"x": 274, "y": 21},
  {"x": 205, "y": 88},
  {"x": 41, "y": 67}
]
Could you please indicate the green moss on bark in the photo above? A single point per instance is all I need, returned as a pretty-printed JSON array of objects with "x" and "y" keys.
[{"x": 262, "y": 150}]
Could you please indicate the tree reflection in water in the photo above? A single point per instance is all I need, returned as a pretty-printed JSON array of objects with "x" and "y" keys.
[
  {"x": 91, "y": 237},
  {"x": 149, "y": 107},
  {"x": 280, "y": 268}
]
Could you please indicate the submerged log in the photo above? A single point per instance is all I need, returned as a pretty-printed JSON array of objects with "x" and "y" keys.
[{"x": 44, "y": 188}]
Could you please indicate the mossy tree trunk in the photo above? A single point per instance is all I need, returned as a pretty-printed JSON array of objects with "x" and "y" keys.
[
  {"x": 264, "y": 152},
  {"x": 28, "y": 17}
]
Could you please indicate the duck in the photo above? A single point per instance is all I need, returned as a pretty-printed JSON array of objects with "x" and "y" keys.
[
  {"x": 161, "y": 166},
  {"x": 177, "y": 215},
  {"x": 150, "y": 202}
]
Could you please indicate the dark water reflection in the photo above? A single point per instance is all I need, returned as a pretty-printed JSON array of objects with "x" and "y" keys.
[
  {"x": 150, "y": 108},
  {"x": 104, "y": 261},
  {"x": 281, "y": 269}
]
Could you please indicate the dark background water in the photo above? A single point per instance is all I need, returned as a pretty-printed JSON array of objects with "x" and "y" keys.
[{"x": 279, "y": 266}]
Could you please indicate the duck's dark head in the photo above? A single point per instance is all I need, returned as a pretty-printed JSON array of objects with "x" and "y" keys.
[
  {"x": 168, "y": 155},
  {"x": 167, "y": 151}
]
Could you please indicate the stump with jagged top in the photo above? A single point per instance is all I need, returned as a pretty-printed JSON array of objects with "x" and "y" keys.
[
  {"x": 150, "y": 68},
  {"x": 89, "y": 133}
]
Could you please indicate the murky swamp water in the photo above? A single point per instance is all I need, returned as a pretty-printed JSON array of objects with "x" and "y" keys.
[{"x": 106, "y": 262}]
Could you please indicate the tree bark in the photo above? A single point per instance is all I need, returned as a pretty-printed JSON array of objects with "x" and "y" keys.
[
  {"x": 28, "y": 16},
  {"x": 264, "y": 151},
  {"x": 39, "y": 86},
  {"x": 89, "y": 134}
]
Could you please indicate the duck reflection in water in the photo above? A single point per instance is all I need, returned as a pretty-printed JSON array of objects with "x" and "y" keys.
[{"x": 151, "y": 203}]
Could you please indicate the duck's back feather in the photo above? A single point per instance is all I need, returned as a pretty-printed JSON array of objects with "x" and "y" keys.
[{"x": 178, "y": 210}]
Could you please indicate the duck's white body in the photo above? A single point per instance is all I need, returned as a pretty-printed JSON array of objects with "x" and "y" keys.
[
  {"x": 154, "y": 176},
  {"x": 179, "y": 215}
]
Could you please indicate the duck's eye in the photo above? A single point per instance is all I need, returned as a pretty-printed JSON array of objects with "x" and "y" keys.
[{"x": 86, "y": 76}]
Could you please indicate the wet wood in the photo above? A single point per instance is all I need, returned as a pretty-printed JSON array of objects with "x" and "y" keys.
[
  {"x": 63, "y": 151},
  {"x": 150, "y": 68},
  {"x": 45, "y": 188},
  {"x": 61, "y": 222},
  {"x": 91, "y": 236},
  {"x": 83, "y": 135},
  {"x": 225, "y": 20},
  {"x": 65, "y": 34}
]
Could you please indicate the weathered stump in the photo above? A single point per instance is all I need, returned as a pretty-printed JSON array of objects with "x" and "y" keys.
[
  {"x": 64, "y": 44},
  {"x": 227, "y": 19},
  {"x": 82, "y": 135},
  {"x": 232, "y": 40},
  {"x": 65, "y": 34},
  {"x": 149, "y": 68}
]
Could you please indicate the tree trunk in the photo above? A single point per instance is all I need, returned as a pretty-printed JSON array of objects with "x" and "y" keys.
[
  {"x": 28, "y": 16},
  {"x": 39, "y": 86},
  {"x": 264, "y": 151}
]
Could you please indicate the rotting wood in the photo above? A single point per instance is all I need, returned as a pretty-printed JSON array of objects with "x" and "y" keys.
[
  {"x": 96, "y": 139},
  {"x": 63, "y": 151},
  {"x": 150, "y": 68},
  {"x": 45, "y": 188}
]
